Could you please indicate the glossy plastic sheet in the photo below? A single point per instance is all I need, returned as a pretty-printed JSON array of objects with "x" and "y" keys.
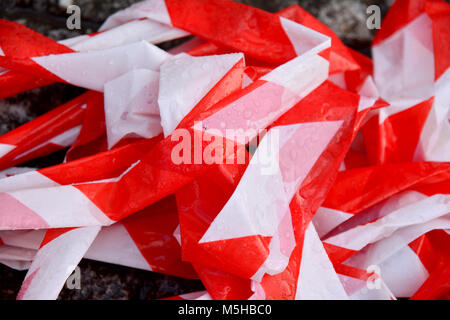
[{"x": 333, "y": 184}]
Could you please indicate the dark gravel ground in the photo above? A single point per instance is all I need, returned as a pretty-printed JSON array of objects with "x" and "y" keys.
[{"x": 100, "y": 280}]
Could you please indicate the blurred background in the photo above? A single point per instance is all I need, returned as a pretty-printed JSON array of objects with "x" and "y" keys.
[{"x": 100, "y": 280}]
